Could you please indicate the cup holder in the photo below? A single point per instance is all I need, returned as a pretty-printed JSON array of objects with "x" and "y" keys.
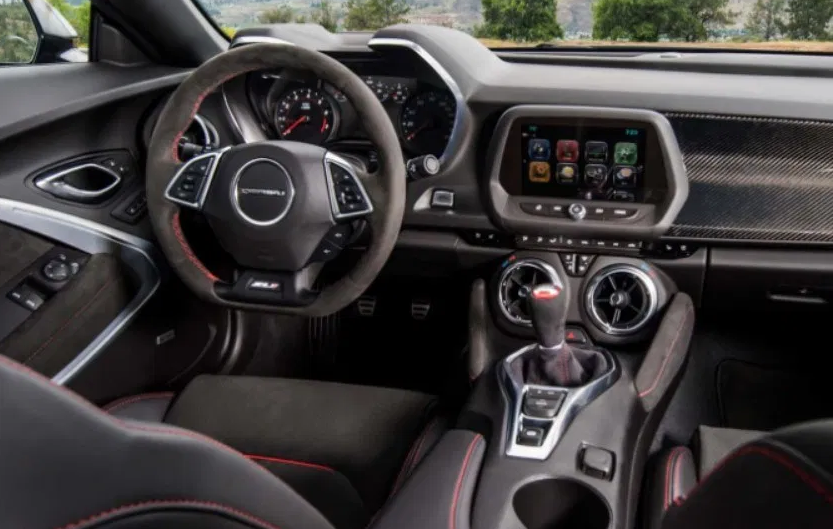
[{"x": 560, "y": 504}]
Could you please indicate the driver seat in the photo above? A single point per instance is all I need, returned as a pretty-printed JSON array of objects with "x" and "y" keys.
[{"x": 337, "y": 451}]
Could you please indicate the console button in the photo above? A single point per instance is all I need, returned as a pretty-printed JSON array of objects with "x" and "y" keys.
[
  {"x": 597, "y": 462},
  {"x": 544, "y": 393},
  {"x": 577, "y": 211},
  {"x": 442, "y": 199},
  {"x": 596, "y": 213},
  {"x": 621, "y": 213},
  {"x": 531, "y": 436},
  {"x": 569, "y": 262},
  {"x": 534, "y": 208},
  {"x": 575, "y": 335},
  {"x": 541, "y": 408},
  {"x": 555, "y": 210},
  {"x": 583, "y": 264}
]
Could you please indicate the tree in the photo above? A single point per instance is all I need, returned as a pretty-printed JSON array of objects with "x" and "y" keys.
[
  {"x": 766, "y": 19},
  {"x": 650, "y": 20},
  {"x": 808, "y": 19},
  {"x": 520, "y": 20},
  {"x": 18, "y": 39},
  {"x": 636, "y": 20},
  {"x": 374, "y": 14},
  {"x": 324, "y": 15},
  {"x": 77, "y": 16},
  {"x": 277, "y": 15}
]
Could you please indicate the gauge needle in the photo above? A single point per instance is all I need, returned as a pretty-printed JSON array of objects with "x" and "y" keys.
[
  {"x": 418, "y": 130},
  {"x": 324, "y": 126},
  {"x": 291, "y": 127}
]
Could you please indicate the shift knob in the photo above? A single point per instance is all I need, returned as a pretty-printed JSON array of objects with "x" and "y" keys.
[{"x": 548, "y": 311}]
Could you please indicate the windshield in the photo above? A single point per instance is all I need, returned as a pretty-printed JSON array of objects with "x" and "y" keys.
[{"x": 770, "y": 25}]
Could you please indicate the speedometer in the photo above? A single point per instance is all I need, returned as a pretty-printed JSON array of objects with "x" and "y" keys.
[
  {"x": 305, "y": 114},
  {"x": 427, "y": 120}
]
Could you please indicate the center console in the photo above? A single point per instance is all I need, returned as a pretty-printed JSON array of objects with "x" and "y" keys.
[{"x": 577, "y": 340}]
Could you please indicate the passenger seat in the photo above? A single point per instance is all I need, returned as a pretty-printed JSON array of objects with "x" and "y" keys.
[{"x": 676, "y": 471}]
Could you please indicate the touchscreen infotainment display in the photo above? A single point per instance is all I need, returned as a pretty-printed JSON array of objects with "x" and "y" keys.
[{"x": 583, "y": 162}]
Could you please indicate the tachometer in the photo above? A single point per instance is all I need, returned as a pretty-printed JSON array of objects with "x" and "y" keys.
[
  {"x": 305, "y": 114},
  {"x": 426, "y": 122}
]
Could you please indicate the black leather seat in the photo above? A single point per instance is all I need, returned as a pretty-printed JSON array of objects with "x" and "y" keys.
[
  {"x": 743, "y": 478},
  {"x": 340, "y": 452}
]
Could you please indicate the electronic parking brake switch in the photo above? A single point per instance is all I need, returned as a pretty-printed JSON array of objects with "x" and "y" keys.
[{"x": 542, "y": 403}]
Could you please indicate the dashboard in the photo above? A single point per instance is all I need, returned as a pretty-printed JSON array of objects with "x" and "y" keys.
[{"x": 293, "y": 105}]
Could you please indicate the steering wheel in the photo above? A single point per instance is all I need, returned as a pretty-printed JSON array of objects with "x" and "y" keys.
[{"x": 280, "y": 208}]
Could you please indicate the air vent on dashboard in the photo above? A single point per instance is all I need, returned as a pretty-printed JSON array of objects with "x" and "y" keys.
[
  {"x": 199, "y": 138},
  {"x": 621, "y": 299},
  {"x": 516, "y": 283}
]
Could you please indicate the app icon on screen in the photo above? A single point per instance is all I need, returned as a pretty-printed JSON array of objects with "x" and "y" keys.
[
  {"x": 566, "y": 151},
  {"x": 624, "y": 176},
  {"x": 625, "y": 153},
  {"x": 539, "y": 172},
  {"x": 539, "y": 149},
  {"x": 595, "y": 152},
  {"x": 595, "y": 175},
  {"x": 566, "y": 173}
]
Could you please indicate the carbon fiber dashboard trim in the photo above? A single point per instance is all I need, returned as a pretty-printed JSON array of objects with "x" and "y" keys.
[{"x": 755, "y": 178}]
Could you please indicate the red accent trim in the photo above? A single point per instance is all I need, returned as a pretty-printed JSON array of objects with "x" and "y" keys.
[
  {"x": 546, "y": 292},
  {"x": 77, "y": 313},
  {"x": 187, "y": 249},
  {"x": 120, "y": 403},
  {"x": 288, "y": 462},
  {"x": 781, "y": 459},
  {"x": 655, "y": 383},
  {"x": 412, "y": 459},
  {"x": 170, "y": 503},
  {"x": 666, "y": 493},
  {"x": 452, "y": 516},
  {"x": 194, "y": 111}
]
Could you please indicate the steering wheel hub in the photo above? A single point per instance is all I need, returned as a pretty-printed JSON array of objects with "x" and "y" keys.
[{"x": 262, "y": 192}]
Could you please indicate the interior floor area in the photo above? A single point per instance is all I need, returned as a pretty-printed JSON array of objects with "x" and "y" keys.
[{"x": 750, "y": 374}]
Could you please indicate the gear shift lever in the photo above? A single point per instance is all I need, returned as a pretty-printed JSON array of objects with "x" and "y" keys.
[
  {"x": 548, "y": 311},
  {"x": 555, "y": 362}
]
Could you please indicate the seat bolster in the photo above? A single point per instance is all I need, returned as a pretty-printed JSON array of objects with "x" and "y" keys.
[
  {"x": 672, "y": 476},
  {"x": 147, "y": 407}
]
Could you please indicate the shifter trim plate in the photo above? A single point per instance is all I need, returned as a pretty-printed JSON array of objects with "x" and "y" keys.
[{"x": 575, "y": 400}]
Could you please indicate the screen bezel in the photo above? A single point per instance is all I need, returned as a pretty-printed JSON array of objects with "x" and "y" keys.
[{"x": 655, "y": 182}]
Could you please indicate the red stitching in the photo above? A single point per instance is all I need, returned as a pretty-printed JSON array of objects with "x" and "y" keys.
[
  {"x": 781, "y": 459},
  {"x": 289, "y": 462},
  {"x": 187, "y": 249},
  {"x": 667, "y": 496},
  {"x": 411, "y": 459},
  {"x": 196, "y": 108},
  {"x": 77, "y": 313},
  {"x": 121, "y": 403},
  {"x": 677, "y": 492},
  {"x": 667, "y": 357},
  {"x": 170, "y": 503},
  {"x": 452, "y": 517}
]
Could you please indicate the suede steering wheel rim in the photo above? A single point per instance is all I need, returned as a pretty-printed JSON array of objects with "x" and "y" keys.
[{"x": 384, "y": 189}]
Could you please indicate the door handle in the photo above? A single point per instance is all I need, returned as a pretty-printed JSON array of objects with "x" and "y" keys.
[{"x": 87, "y": 182}]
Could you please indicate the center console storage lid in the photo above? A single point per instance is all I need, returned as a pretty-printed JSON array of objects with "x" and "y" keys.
[{"x": 440, "y": 492}]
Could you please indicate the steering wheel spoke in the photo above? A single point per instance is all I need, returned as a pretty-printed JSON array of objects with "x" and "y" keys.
[
  {"x": 349, "y": 198},
  {"x": 189, "y": 186},
  {"x": 275, "y": 288}
]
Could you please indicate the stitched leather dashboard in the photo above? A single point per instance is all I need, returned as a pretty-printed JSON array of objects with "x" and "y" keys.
[{"x": 762, "y": 179}]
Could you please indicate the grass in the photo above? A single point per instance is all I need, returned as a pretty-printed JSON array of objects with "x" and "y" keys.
[{"x": 796, "y": 46}]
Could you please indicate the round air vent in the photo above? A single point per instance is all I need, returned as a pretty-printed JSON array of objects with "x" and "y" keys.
[
  {"x": 517, "y": 282},
  {"x": 621, "y": 299},
  {"x": 200, "y": 137}
]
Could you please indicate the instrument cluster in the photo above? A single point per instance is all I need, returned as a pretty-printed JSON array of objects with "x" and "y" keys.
[{"x": 293, "y": 106}]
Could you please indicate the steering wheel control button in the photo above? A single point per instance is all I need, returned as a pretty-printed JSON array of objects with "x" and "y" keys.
[
  {"x": 347, "y": 195},
  {"x": 325, "y": 251},
  {"x": 264, "y": 285},
  {"x": 597, "y": 462},
  {"x": 531, "y": 436},
  {"x": 262, "y": 192},
  {"x": 57, "y": 271},
  {"x": 190, "y": 184},
  {"x": 340, "y": 235},
  {"x": 442, "y": 199},
  {"x": 577, "y": 211}
]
